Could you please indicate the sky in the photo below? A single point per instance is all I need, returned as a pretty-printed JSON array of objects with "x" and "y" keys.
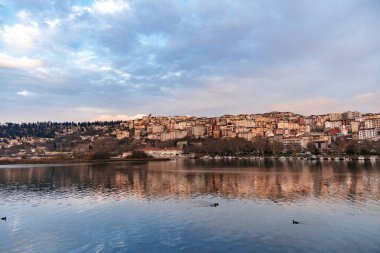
[{"x": 112, "y": 59}]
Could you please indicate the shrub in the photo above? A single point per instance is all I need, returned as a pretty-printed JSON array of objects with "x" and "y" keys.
[
  {"x": 136, "y": 154},
  {"x": 99, "y": 155}
]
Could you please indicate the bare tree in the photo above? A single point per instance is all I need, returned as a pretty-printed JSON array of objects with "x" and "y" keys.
[
  {"x": 260, "y": 144},
  {"x": 339, "y": 146},
  {"x": 276, "y": 147}
]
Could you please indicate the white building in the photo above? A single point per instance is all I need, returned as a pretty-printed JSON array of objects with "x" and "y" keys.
[
  {"x": 162, "y": 153},
  {"x": 333, "y": 124},
  {"x": 372, "y": 123},
  {"x": 370, "y": 133}
]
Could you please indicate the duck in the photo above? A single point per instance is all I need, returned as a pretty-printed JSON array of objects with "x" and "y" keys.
[
  {"x": 215, "y": 204},
  {"x": 295, "y": 222},
  {"x": 4, "y": 218}
]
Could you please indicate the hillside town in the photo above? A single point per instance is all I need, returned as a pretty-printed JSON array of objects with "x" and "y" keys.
[{"x": 271, "y": 133}]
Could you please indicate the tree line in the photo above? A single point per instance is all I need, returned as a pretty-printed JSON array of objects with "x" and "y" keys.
[
  {"x": 262, "y": 146},
  {"x": 45, "y": 129}
]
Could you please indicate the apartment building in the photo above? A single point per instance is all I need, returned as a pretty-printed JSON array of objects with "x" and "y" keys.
[
  {"x": 351, "y": 115},
  {"x": 372, "y": 123},
  {"x": 370, "y": 133}
]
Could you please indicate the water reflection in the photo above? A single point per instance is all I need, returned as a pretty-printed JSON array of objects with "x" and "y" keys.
[
  {"x": 274, "y": 180},
  {"x": 164, "y": 207}
]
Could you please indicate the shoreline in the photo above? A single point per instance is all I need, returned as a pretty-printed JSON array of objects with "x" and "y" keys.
[
  {"x": 62, "y": 161},
  {"x": 310, "y": 158},
  {"x": 204, "y": 158}
]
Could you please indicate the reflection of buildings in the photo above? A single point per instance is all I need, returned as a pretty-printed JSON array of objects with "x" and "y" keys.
[{"x": 290, "y": 180}]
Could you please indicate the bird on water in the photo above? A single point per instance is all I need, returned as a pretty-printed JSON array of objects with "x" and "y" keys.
[
  {"x": 4, "y": 218},
  {"x": 215, "y": 204},
  {"x": 295, "y": 222}
]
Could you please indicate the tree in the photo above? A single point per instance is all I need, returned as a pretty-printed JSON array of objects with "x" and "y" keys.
[
  {"x": 367, "y": 147},
  {"x": 295, "y": 148},
  {"x": 260, "y": 144},
  {"x": 164, "y": 144},
  {"x": 377, "y": 147},
  {"x": 276, "y": 147},
  {"x": 137, "y": 154},
  {"x": 99, "y": 155},
  {"x": 311, "y": 147},
  {"x": 339, "y": 146},
  {"x": 352, "y": 148}
]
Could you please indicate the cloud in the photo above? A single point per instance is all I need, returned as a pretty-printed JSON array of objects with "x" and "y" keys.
[
  {"x": 369, "y": 101},
  {"x": 308, "y": 106},
  {"x": 123, "y": 117},
  {"x": 110, "y": 6},
  {"x": 189, "y": 57},
  {"x": 101, "y": 7},
  {"x": 25, "y": 93},
  {"x": 366, "y": 97},
  {"x": 20, "y": 36},
  {"x": 23, "y": 15},
  {"x": 90, "y": 110},
  {"x": 52, "y": 23},
  {"x": 7, "y": 61}
]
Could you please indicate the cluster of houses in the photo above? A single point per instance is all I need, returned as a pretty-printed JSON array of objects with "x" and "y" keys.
[{"x": 286, "y": 127}]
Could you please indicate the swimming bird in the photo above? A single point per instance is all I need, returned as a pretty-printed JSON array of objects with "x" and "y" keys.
[
  {"x": 215, "y": 204},
  {"x": 295, "y": 222},
  {"x": 4, "y": 218}
]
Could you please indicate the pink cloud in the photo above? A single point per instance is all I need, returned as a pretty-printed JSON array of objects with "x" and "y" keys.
[
  {"x": 316, "y": 105},
  {"x": 123, "y": 117}
]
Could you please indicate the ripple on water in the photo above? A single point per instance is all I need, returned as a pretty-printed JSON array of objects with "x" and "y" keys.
[{"x": 148, "y": 208}]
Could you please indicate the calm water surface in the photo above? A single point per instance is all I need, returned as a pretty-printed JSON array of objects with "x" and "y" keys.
[{"x": 166, "y": 207}]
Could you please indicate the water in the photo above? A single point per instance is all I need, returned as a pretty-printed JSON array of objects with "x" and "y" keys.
[{"x": 166, "y": 207}]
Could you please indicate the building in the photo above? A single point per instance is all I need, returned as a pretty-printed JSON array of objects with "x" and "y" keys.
[
  {"x": 351, "y": 115},
  {"x": 333, "y": 131},
  {"x": 355, "y": 126},
  {"x": 162, "y": 153},
  {"x": 199, "y": 131},
  {"x": 247, "y": 135},
  {"x": 120, "y": 134},
  {"x": 369, "y": 133},
  {"x": 173, "y": 135},
  {"x": 335, "y": 116},
  {"x": 182, "y": 125},
  {"x": 153, "y": 129},
  {"x": 333, "y": 124},
  {"x": 287, "y": 125},
  {"x": 245, "y": 123},
  {"x": 372, "y": 123},
  {"x": 321, "y": 144},
  {"x": 292, "y": 142}
]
